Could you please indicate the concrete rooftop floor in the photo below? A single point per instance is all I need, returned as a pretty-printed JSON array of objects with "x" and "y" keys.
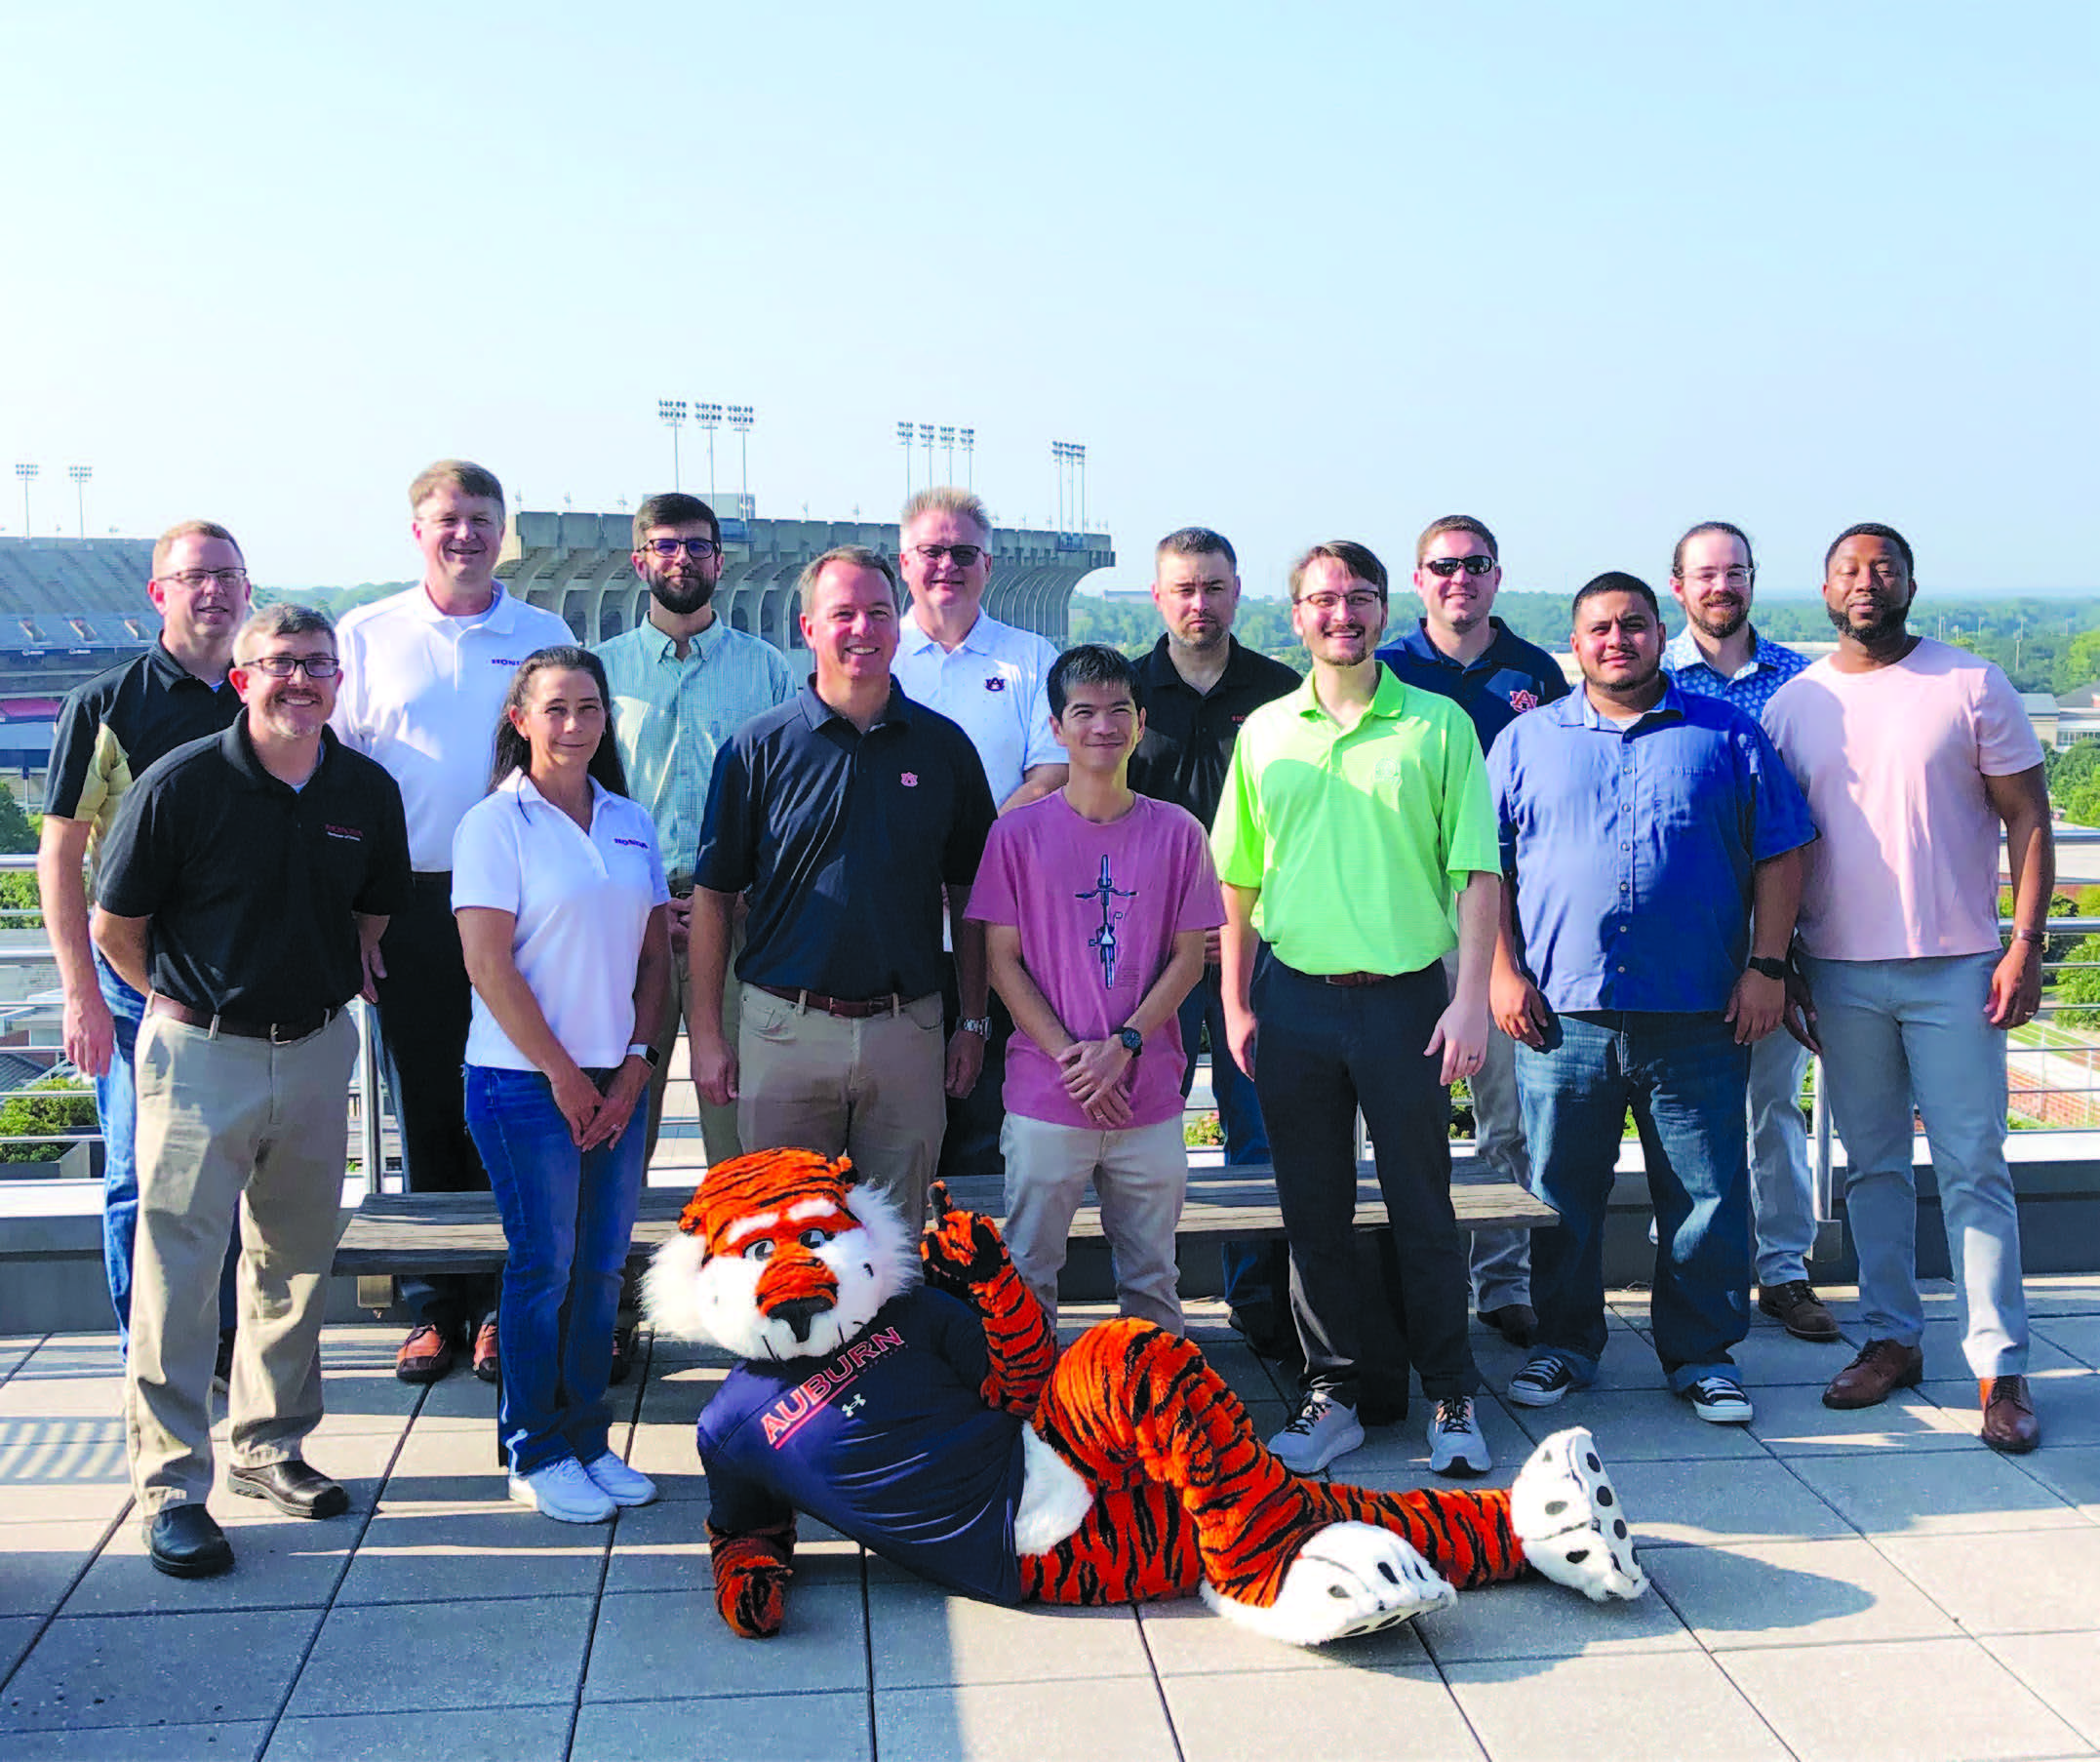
[{"x": 1840, "y": 1585}]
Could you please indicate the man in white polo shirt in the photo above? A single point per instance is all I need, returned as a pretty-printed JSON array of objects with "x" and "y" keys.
[
  {"x": 992, "y": 679},
  {"x": 423, "y": 678}
]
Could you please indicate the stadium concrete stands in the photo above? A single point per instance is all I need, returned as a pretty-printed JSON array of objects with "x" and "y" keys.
[{"x": 69, "y": 608}]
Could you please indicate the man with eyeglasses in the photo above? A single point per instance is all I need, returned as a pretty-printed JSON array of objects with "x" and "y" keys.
[
  {"x": 992, "y": 680},
  {"x": 682, "y": 682},
  {"x": 1461, "y": 650},
  {"x": 1720, "y": 653},
  {"x": 425, "y": 674},
  {"x": 1354, "y": 832},
  {"x": 1913, "y": 754},
  {"x": 111, "y": 730},
  {"x": 244, "y": 890}
]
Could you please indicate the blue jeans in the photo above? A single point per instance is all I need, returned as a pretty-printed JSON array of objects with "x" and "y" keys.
[
  {"x": 568, "y": 1219},
  {"x": 1684, "y": 1078},
  {"x": 1249, "y": 1267},
  {"x": 116, "y": 1106},
  {"x": 1904, "y": 1033}
]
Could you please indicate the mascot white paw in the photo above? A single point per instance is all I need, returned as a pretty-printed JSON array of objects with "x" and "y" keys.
[
  {"x": 1566, "y": 1513},
  {"x": 1350, "y": 1578}
]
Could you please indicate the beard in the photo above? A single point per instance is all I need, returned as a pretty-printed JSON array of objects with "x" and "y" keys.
[
  {"x": 1888, "y": 621},
  {"x": 1721, "y": 626},
  {"x": 1638, "y": 683},
  {"x": 681, "y": 596}
]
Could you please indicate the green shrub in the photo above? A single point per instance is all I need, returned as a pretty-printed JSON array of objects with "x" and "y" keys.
[{"x": 54, "y": 1107}]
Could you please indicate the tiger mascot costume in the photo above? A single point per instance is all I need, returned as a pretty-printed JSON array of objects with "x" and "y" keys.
[{"x": 912, "y": 1397}]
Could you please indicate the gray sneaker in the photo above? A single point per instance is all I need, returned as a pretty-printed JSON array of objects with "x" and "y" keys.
[
  {"x": 1455, "y": 1443},
  {"x": 1323, "y": 1430}
]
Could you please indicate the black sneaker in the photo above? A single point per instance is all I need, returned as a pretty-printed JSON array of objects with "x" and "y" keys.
[
  {"x": 1542, "y": 1381},
  {"x": 1719, "y": 1401}
]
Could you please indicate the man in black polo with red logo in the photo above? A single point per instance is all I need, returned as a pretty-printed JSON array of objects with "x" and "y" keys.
[
  {"x": 245, "y": 887},
  {"x": 1200, "y": 685}
]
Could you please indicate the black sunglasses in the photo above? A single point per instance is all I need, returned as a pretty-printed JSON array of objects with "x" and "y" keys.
[{"x": 1446, "y": 567}]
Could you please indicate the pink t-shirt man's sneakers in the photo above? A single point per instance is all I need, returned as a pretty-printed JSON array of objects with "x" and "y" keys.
[
  {"x": 1098, "y": 908},
  {"x": 1893, "y": 764}
]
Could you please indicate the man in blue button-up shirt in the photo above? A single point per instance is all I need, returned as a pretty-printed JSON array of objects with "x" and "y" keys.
[{"x": 1641, "y": 825}]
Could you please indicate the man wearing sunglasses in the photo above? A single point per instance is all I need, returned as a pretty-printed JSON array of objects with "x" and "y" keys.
[
  {"x": 1461, "y": 650},
  {"x": 992, "y": 680}
]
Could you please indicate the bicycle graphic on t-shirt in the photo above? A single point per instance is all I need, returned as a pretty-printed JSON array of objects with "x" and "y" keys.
[{"x": 1103, "y": 940}]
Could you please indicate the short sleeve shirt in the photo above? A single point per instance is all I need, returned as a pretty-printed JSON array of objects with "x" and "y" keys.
[
  {"x": 1357, "y": 840},
  {"x": 1770, "y": 665},
  {"x": 995, "y": 686},
  {"x": 1189, "y": 735},
  {"x": 1893, "y": 764},
  {"x": 1507, "y": 678},
  {"x": 1099, "y": 907},
  {"x": 250, "y": 885},
  {"x": 845, "y": 841},
  {"x": 1634, "y": 847},
  {"x": 581, "y": 902},
  {"x": 672, "y": 717}
]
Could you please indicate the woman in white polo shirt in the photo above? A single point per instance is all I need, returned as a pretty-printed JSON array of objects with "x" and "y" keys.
[{"x": 559, "y": 892}]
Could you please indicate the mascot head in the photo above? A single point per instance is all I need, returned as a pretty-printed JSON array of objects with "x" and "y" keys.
[{"x": 782, "y": 1254}]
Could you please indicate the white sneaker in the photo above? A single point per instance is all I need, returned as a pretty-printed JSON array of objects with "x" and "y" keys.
[
  {"x": 623, "y": 1485},
  {"x": 1457, "y": 1445},
  {"x": 1323, "y": 1430},
  {"x": 562, "y": 1491}
]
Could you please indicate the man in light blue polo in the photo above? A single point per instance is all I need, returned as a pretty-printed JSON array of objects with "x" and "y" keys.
[{"x": 1640, "y": 825}]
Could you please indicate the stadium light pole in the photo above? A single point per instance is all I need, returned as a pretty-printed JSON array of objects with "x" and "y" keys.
[
  {"x": 969, "y": 438},
  {"x": 1079, "y": 459},
  {"x": 741, "y": 416},
  {"x": 28, "y": 474},
  {"x": 672, "y": 413},
  {"x": 947, "y": 442},
  {"x": 80, "y": 475},
  {"x": 709, "y": 416},
  {"x": 926, "y": 439},
  {"x": 904, "y": 441}
]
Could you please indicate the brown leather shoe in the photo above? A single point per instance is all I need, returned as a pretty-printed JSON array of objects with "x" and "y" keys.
[
  {"x": 2008, "y": 1416},
  {"x": 1798, "y": 1309},
  {"x": 1882, "y": 1368},
  {"x": 426, "y": 1356},
  {"x": 486, "y": 1362}
]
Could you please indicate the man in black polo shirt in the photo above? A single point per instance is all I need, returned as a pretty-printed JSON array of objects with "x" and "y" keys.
[
  {"x": 844, "y": 815},
  {"x": 109, "y": 730},
  {"x": 1200, "y": 685},
  {"x": 244, "y": 889},
  {"x": 1458, "y": 649}
]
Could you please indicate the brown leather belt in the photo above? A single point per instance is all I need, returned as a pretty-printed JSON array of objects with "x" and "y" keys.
[
  {"x": 849, "y": 1009},
  {"x": 1357, "y": 978},
  {"x": 278, "y": 1033}
]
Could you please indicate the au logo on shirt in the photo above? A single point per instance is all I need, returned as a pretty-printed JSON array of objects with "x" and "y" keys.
[
  {"x": 996, "y": 683},
  {"x": 1521, "y": 700},
  {"x": 909, "y": 778}
]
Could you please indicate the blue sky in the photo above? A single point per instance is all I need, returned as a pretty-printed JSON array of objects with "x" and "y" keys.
[{"x": 1589, "y": 272}]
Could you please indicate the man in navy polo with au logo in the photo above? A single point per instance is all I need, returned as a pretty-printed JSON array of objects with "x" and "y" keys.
[
  {"x": 244, "y": 891},
  {"x": 1461, "y": 650},
  {"x": 845, "y": 815}
]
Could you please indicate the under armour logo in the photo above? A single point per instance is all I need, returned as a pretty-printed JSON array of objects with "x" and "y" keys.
[
  {"x": 854, "y": 1405},
  {"x": 909, "y": 778}
]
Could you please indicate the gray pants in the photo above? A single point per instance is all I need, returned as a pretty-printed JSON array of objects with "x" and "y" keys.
[
  {"x": 1782, "y": 1198},
  {"x": 1501, "y": 1258}
]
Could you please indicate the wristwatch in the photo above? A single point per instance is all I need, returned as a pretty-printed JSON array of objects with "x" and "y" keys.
[
  {"x": 639, "y": 1050},
  {"x": 1133, "y": 1042},
  {"x": 980, "y": 1026},
  {"x": 1772, "y": 969}
]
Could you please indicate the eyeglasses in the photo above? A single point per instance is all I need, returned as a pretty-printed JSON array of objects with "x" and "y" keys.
[
  {"x": 194, "y": 579},
  {"x": 1735, "y": 576},
  {"x": 699, "y": 549},
  {"x": 283, "y": 666},
  {"x": 965, "y": 555},
  {"x": 1443, "y": 568},
  {"x": 1363, "y": 599}
]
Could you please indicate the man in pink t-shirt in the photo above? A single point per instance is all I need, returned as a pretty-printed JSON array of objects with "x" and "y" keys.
[
  {"x": 1096, "y": 903},
  {"x": 1912, "y": 754}
]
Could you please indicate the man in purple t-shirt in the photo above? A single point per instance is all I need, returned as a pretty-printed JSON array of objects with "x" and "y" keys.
[{"x": 1096, "y": 903}]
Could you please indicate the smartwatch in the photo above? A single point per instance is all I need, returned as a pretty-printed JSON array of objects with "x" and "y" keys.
[
  {"x": 1133, "y": 1042},
  {"x": 1772, "y": 969},
  {"x": 649, "y": 1053}
]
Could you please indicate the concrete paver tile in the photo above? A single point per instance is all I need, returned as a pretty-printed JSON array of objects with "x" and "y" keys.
[
  {"x": 28, "y": 1392},
  {"x": 1772, "y": 1359},
  {"x": 1534, "y": 1618},
  {"x": 477, "y": 1735},
  {"x": 822, "y": 1727},
  {"x": 515, "y": 1652},
  {"x": 1935, "y": 1493},
  {"x": 2071, "y": 1471},
  {"x": 2067, "y": 1403},
  {"x": 666, "y": 1452},
  {"x": 1025, "y": 1722},
  {"x": 663, "y": 1546},
  {"x": 15, "y": 1352},
  {"x": 1633, "y": 1426},
  {"x": 16, "y": 1634},
  {"x": 38, "y": 1561},
  {"x": 279, "y": 1562},
  {"x": 205, "y": 1667},
  {"x": 1359, "y": 1713},
  {"x": 70, "y": 1355},
  {"x": 93, "y": 1498},
  {"x": 1945, "y": 1363},
  {"x": 1724, "y": 1499},
  {"x": 501, "y": 1551},
  {"x": 1186, "y": 1639},
  {"x": 1793, "y": 1422},
  {"x": 1833, "y": 1704},
  {"x": 920, "y": 1637},
  {"x": 664, "y": 1645},
  {"x": 2031, "y": 1583},
  {"x": 2062, "y": 1668},
  {"x": 1672, "y": 1706},
  {"x": 2063, "y": 1294},
  {"x": 237, "y": 1742},
  {"x": 2078, "y": 1337},
  {"x": 1792, "y": 1593}
]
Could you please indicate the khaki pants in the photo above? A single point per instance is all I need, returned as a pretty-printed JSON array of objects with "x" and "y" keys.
[
  {"x": 718, "y": 1125},
  {"x": 1141, "y": 1173},
  {"x": 871, "y": 1088},
  {"x": 228, "y": 1125}
]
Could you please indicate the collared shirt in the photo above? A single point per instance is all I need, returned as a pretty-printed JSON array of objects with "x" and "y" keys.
[
  {"x": 251, "y": 884},
  {"x": 672, "y": 717},
  {"x": 995, "y": 686},
  {"x": 1769, "y": 667},
  {"x": 845, "y": 841},
  {"x": 115, "y": 725},
  {"x": 422, "y": 693},
  {"x": 1633, "y": 849},
  {"x": 1357, "y": 840},
  {"x": 581, "y": 901},
  {"x": 1189, "y": 735},
  {"x": 1506, "y": 678}
]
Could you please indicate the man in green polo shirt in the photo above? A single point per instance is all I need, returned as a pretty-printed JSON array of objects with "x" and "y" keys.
[{"x": 1356, "y": 826}]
